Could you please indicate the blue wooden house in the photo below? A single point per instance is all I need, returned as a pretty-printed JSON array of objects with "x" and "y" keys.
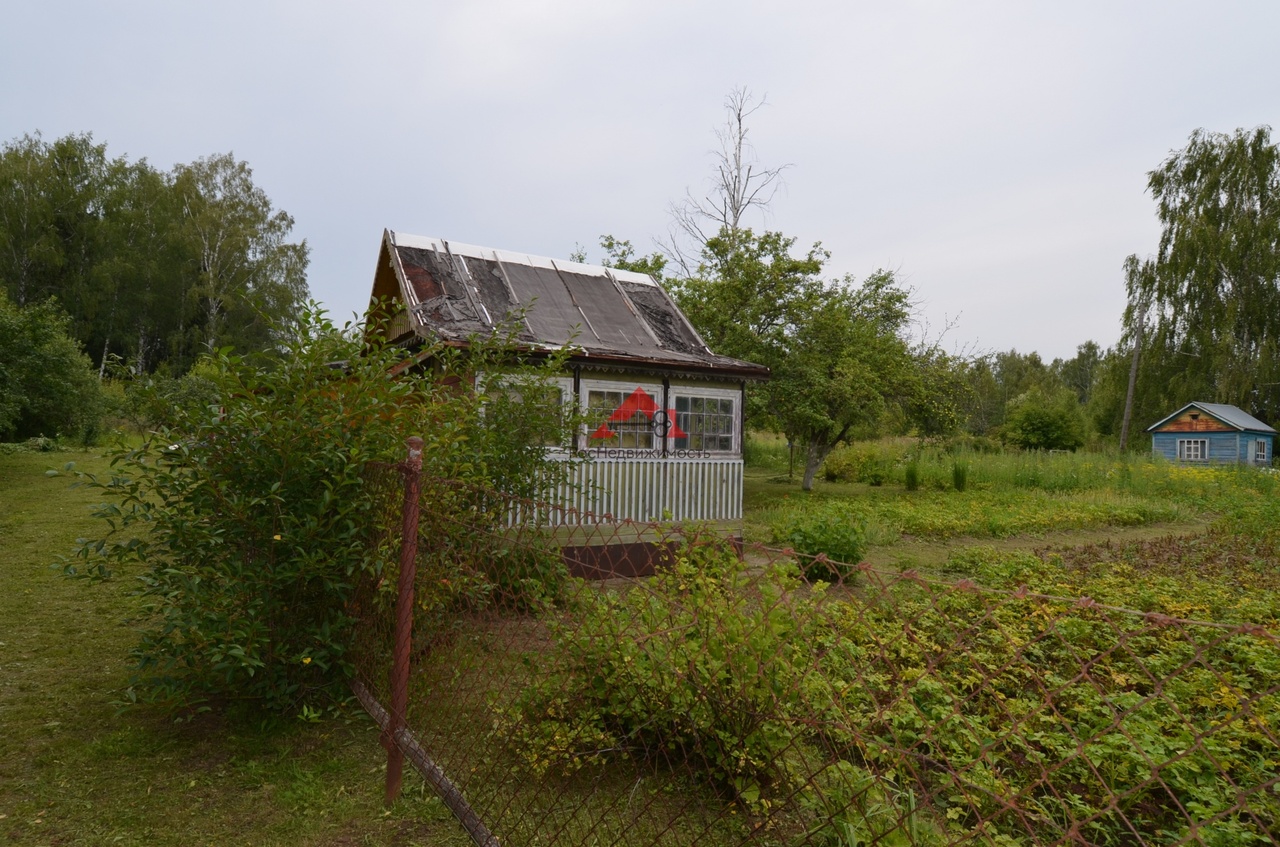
[{"x": 1213, "y": 432}]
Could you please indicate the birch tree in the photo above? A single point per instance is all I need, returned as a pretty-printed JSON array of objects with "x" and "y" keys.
[
  {"x": 1212, "y": 300},
  {"x": 245, "y": 267}
]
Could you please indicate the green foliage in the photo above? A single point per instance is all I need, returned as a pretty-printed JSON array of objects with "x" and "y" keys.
[
  {"x": 766, "y": 450},
  {"x": 700, "y": 666},
  {"x": 1028, "y": 656},
  {"x": 153, "y": 268},
  {"x": 1212, "y": 295},
  {"x": 1045, "y": 420},
  {"x": 251, "y": 521},
  {"x": 995, "y": 381},
  {"x": 960, "y": 474},
  {"x": 46, "y": 386},
  {"x": 751, "y": 293},
  {"x": 620, "y": 254},
  {"x": 911, "y": 475},
  {"x": 828, "y": 535},
  {"x": 871, "y": 462},
  {"x": 1080, "y": 373},
  {"x": 249, "y": 281},
  {"x": 154, "y": 401}
]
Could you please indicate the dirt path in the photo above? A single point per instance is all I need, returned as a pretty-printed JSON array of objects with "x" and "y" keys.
[{"x": 912, "y": 552}]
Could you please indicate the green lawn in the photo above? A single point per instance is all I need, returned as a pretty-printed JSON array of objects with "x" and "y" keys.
[{"x": 74, "y": 770}]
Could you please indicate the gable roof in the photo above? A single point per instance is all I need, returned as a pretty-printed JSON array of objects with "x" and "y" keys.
[
  {"x": 453, "y": 291},
  {"x": 1232, "y": 416}
]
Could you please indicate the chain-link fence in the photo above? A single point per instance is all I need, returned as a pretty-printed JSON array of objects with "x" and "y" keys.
[{"x": 756, "y": 696}]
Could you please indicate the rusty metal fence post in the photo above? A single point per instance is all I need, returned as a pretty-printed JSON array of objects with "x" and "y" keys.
[{"x": 412, "y": 469}]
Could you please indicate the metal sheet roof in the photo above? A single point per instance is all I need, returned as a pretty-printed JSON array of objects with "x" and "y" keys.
[
  {"x": 454, "y": 290},
  {"x": 1230, "y": 415}
]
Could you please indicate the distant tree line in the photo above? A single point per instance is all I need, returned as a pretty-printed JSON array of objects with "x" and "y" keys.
[
  {"x": 151, "y": 268},
  {"x": 846, "y": 364}
]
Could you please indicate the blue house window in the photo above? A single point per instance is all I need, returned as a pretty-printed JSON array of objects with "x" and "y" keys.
[
  {"x": 1193, "y": 449},
  {"x": 1260, "y": 451}
]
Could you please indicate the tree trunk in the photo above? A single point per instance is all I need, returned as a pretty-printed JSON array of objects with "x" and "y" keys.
[
  {"x": 814, "y": 454},
  {"x": 1133, "y": 381}
]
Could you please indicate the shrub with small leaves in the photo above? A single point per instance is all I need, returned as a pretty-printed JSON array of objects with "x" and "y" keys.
[
  {"x": 828, "y": 530},
  {"x": 702, "y": 665},
  {"x": 252, "y": 520}
]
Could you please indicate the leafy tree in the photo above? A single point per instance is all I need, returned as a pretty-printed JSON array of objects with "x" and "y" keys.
[
  {"x": 248, "y": 280},
  {"x": 1045, "y": 418},
  {"x": 838, "y": 352},
  {"x": 996, "y": 380},
  {"x": 844, "y": 365},
  {"x": 1080, "y": 371},
  {"x": 943, "y": 391},
  {"x": 1212, "y": 300},
  {"x": 152, "y": 267},
  {"x": 620, "y": 254},
  {"x": 751, "y": 294},
  {"x": 46, "y": 384}
]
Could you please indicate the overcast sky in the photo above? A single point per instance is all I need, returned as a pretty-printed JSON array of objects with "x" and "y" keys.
[{"x": 994, "y": 154}]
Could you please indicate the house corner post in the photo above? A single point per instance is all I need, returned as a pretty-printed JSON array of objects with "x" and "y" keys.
[{"x": 412, "y": 469}]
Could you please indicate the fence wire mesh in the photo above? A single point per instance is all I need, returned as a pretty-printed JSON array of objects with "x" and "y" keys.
[{"x": 754, "y": 696}]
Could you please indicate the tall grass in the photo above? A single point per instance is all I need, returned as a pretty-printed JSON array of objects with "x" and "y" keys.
[
  {"x": 768, "y": 451},
  {"x": 912, "y": 465}
]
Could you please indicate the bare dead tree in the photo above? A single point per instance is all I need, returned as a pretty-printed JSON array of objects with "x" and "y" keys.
[{"x": 738, "y": 185}]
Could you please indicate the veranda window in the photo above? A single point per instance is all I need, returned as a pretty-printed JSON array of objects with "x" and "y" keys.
[
  {"x": 622, "y": 419},
  {"x": 705, "y": 423}
]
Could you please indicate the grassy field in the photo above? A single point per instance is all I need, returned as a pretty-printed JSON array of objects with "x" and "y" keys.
[
  {"x": 1019, "y": 502},
  {"x": 76, "y": 770},
  {"x": 73, "y": 770}
]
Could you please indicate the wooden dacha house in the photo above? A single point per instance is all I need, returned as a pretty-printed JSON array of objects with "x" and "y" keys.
[
  {"x": 663, "y": 439},
  {"x": 1213, "y": 432}
]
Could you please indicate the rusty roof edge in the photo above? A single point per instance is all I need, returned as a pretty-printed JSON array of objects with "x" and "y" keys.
[{"x": 733, "y": 368}]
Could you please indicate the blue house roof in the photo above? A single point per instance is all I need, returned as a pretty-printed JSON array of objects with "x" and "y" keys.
[{"x": 1232, "y": 416}]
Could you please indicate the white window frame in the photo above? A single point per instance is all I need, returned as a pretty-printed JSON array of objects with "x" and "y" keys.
[
  {"x": 587, "y": 385},
  {"x": 1185, "y": 450},
  {"x": 691, "y": 392},
  {"x": 1260, "y": 451}
]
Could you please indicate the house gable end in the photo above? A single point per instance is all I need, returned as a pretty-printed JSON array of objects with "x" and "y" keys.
[{"x": 1209, "y": 417}]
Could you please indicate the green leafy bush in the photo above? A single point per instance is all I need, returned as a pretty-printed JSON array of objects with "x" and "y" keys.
[
  {"x": 960, "y": 475},
  {"x": 702, "y": 666},
  {"x": 47, "y": 387},
  {"x": 1046, "y": 420},
  {"x": 827, "y": 530},
  {"x": 251, "y": 520},
  {"x": 869, "y": 462}
]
